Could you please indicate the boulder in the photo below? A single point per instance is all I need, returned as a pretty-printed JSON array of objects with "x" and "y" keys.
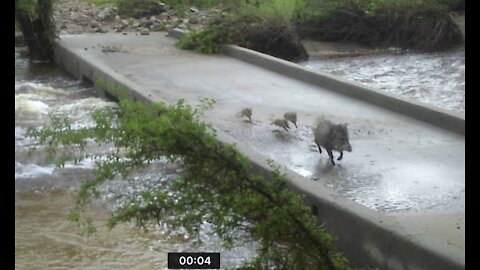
[{"x": 107, "y": 13}]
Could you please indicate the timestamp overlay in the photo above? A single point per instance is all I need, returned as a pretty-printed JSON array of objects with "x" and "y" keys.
[{"x": 199, "y": 260}]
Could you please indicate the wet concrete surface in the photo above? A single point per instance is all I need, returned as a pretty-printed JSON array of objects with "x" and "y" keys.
[{"x": 400, "y": 167}]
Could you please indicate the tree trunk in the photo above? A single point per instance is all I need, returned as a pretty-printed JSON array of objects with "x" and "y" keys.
[{"x": 35, "y": 22}]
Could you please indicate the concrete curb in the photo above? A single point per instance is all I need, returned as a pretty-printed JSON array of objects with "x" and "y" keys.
[
  {"x": 366, "y": 237},
  {"x": 424, "y": 112}
]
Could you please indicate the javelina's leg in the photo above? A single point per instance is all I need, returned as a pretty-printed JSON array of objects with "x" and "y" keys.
[
  {"x": 285, "y": 129},
  {"x": 341, "y": 156},
  {"x": 319, "y": 149},
  {"x": 295, "y": 124},
  {"x": 330, "y": 154}
]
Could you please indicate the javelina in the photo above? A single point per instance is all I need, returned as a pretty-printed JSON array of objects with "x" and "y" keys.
[
  {"x": 331, "y": 137},
  {"x": 247, "y": 112},
  {"x": 292, "y": 117},
  {"x": 283, "y": 123}
]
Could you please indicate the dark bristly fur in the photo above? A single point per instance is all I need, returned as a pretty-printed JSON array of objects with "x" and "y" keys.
[{"x": 331, "y": 137}]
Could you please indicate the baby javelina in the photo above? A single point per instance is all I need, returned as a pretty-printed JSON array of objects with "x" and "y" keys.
[
  {"x": 331, "y": 137},
  {"x": 283, "y": 123},
  {"x": 247, "y": 112},
  {"x": 292, "y": 117}
]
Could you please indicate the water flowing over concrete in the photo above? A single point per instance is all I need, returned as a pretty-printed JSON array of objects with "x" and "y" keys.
[
  {"x": 432, "y": 78},
  {"x": 396, "y": 201}
]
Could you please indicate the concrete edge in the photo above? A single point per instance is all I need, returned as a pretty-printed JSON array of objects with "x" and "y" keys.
[
  {"x": 431, "y": 114},
  {"x": 76, "y": 64},
  {"x": 366, "y": 237}
]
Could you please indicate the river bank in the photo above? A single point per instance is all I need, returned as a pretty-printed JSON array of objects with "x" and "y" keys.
[{"x": 82, "y": 16}]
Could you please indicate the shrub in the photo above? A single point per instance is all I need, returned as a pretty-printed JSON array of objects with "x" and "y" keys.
[
  {"x": 266, "y": 35},
  {"x": 419, "y": 25}
]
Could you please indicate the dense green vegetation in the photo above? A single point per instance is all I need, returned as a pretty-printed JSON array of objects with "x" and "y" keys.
[
  {"x": 268, "y": 35},
  {"x": 218, "y": 185},
  {"x": 408, "y": 24},
  {"x": 100, "y": 3},
  {"x": 276, "y": 26},
  {"x": 424, "y": 25}
]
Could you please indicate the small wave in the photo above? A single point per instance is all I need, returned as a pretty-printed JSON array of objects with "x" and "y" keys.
[
  {"x": 26, "y": 107},
  {"x": 32, "y": 170},
  {"x": 82, "y": 108},
  {"x": 39, "y": 91}
]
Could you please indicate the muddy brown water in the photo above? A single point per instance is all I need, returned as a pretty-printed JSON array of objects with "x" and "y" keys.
[{"x": 45, "y": 240}]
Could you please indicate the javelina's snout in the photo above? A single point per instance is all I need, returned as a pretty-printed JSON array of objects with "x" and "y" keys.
[{"x": 349, "y": 148}]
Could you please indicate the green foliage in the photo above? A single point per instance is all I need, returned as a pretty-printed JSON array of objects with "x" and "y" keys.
[
  {"x": 208, "y": 41},
  {"x": 267, "y": 35},
  {"x": 424, "y": 25},
  {"x": 328, "y": 8},
  {"x": 100, "y": 3},
  {"x": 454, "y": 5},
  {"x": 27, "y": 6},
  {"x": 284, "y": 10},
  {"x": 254, "y": 24},
  {"x": 34, "y": 18},
  {"x": 218, "y": 184},
  {"x": 129, "y": 8}
]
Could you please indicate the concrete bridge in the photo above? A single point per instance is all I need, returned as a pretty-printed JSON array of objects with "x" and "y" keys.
[{"x": 396, "y": 202}]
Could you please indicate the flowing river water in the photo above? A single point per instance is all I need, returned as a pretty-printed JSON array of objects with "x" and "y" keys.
[
  {"x": 44, "y": 195},
  {"x": 433, "y": 78}
]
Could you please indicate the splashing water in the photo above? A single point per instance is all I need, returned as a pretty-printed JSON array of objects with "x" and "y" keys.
[{"x": 433, "y": 78}]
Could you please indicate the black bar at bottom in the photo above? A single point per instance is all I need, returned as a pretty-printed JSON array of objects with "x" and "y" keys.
[{"x": 200, "y": 260}]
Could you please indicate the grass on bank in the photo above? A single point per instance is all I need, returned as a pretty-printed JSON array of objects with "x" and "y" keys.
[
  {"x": 423, "y": 25},
  {"x": 276, "y": 27}
]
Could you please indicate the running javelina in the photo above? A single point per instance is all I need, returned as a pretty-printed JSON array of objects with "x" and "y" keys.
[
  {"x": 247, "y": 112},
  {"x": 292, "y": 117},
  {"x": 332, "y": 137},
  {"x": 283, "y": 123}
]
